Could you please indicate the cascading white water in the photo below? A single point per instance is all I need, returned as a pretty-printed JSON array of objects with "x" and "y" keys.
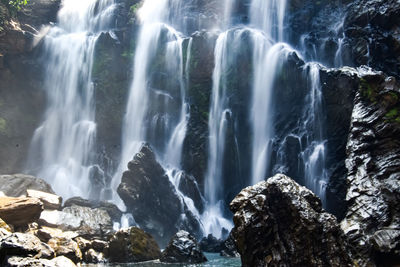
[
  {"x": 141, "y": 122},
  {"x": 268, "y": 18},
  {"x": 314, "y": 153},
  {"x": 62, "y": 147}
]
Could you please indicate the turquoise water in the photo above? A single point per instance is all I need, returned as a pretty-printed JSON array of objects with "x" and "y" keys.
[{"x": 214, "y": 260}]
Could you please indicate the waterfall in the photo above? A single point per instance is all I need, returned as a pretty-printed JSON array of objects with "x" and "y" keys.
[
  {"x": 268, "y": 18},
  {"x": 314, "y": 152},
  {"x": 156, "y": 111},
  {"x": 62, "y": 147}
]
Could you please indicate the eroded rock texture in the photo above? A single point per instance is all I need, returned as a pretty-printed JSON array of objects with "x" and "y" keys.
[
  {"x": 373, "y": 163},
  {"x": 280, "y": 223}
]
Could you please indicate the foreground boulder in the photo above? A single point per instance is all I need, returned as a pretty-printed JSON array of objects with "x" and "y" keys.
[
  {"x": 183, "y": 248},
  {"x": 19, "y": 212},
  {"x": 280, "y": 223},
  {"x": 372, "y": 222},
  {"x": 152, "y": 199},
  {"x": 24, "y": 245},
  {"x": 60, "y": 261},
  {"x": 133, "y": 245},
  {"x": 16, "y": 185},
  {"x": 85, "y": 221}
]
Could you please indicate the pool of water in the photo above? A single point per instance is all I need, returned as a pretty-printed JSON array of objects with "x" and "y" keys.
[{"x": 214, "y": 260}]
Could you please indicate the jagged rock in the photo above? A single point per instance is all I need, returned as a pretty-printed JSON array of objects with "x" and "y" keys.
[
  {"x": 183, "y": 248},
  {"x": 112, "y": 210},
  {"x": 16, "y": 185},
  {"x": 280, "y": 223},
  {"x": 20, "y": 211},
  {"x": 60, "y": 261},
  {"x": 146, "y": 185},
  {"x": 85, "y": 221},
  {"x": 47, "y": 233},
  {"x": 66, "y": 247},
  {"x": 93, "y": 256},
  {"x": 50, "y": 201},
  {"x": 84, "y": 244},
  {"x": 133, "y": 245},
  {"x": 211, "y": 244},
  {"x": 229, "y": 247},
  {"x": 26, "y": 245},
  {"x": 373, "y": 163}
]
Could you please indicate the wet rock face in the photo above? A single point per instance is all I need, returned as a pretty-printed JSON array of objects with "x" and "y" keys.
[
  {"x": 280, "y": 223},
  {"x": 133, "y": 245},
  {"x": 372, "y": 28},
  {"x": 373, "y": 164},
  {"x": 183, "y": 248},
  {"x": 152, "y": 199},
  {"x": 211, "y": 244}
]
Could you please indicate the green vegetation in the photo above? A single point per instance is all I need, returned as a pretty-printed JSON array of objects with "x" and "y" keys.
[
  {"x": 368, "y": 91},
  {"x": 393, "y": 115},
  {"x": 15, "y": 5}
]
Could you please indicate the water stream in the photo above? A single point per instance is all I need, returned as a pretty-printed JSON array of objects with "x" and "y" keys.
[{"x": 63, "y": 147}]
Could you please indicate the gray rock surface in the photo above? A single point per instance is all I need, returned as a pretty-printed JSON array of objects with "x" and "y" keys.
[
  {"x": 280, "y": 223},
  {"x": 20, "y": 211},
  {"x": 183, "y": 248},
  {"x": 85, "y": 221},
  {"x": 60, "y": 261},
  {"x": 15, "y": 185}
]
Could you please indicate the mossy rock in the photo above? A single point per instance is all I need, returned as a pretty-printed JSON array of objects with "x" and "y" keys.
[{"x": 133, "y": 245}]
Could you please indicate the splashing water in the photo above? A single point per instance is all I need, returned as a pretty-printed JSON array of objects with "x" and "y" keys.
[{"x": 62, "y": 147}]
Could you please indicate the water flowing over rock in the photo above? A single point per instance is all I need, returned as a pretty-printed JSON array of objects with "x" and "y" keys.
[
  {"x": 152, "y": 199},
  {"x": 20, "y": 211},
  {"x": 133, "y": 245},
  {"x": 373, "y": 163},
  {"x": 278, "y": 222},
  {"x": 183, "y": 248}
]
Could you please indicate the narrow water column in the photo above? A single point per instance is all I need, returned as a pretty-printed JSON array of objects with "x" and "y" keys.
[
  {"x": 267, "y": 17},
  {"x": 62, "y": 149}
]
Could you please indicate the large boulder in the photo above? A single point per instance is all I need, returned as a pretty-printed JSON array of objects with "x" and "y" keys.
[
  {"x": 373, "y": 163},
  {"x": 183, "y": 248},
  {"x": 15, "y": 185},
  {"x": 133, "y": 245},
  {"x": 112, "y": 210},
  {"x": 280, "y": 223},
  {"x": 50, "y": 201},
  {"x": 153, "y": 200},
  {"x": 85, "y": 221},
  {"x": 25, "y": 245},
  {"x": 19, "y": 212}
]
